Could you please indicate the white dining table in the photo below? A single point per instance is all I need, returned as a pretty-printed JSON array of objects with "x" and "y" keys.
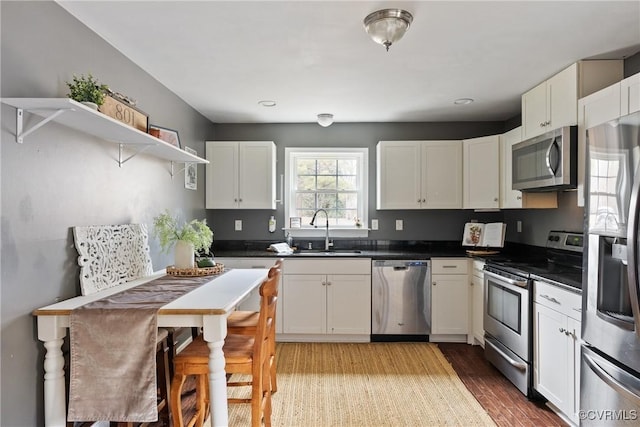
[{"x": 207, "y": 307}]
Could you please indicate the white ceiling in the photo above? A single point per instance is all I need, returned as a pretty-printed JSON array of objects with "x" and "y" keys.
[{"x": 311, "y": 57}]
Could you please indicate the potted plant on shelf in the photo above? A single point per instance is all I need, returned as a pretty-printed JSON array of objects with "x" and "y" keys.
[
  {"x": 188, "y": 237},
  {"x": 87, "y": 90}
]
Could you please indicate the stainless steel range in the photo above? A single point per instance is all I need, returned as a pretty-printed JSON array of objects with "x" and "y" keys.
[{"x": 508, "y": 302}]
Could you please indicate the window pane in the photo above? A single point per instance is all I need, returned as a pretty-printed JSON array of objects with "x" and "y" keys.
[
  {"x": 347, "y": 167},
  {"x": 327, "y": 200},
  {"x": 327, "y": 167},
  {"x": 306, "y": 167},
  {"x": 306, "y": 182},
  {"x": 305, "y": 201},
  {"x": 327, "y": 183},
  {"x": 347, "y": 183},
  {"x": 348, "y": 201}
]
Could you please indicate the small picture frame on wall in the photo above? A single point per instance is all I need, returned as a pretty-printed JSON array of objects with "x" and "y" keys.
[
  {"x": 295, "y": 222},
  {"x": 191, "y": 172},
  {"x": 167, "y": 135}
]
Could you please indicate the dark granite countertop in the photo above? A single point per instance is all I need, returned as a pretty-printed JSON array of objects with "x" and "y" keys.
[{"x": 418, "y": 250}]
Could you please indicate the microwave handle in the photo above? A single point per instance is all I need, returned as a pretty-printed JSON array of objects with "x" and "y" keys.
[
  {"x": 632, "y": 252},
  {"x": 553, "y": 168}
]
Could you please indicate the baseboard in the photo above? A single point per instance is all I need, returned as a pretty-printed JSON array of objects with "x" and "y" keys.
[{"x": 322, "y": 338}]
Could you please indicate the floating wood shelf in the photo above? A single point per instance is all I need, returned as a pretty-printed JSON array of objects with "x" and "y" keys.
[{"x": 82, "y": 118}]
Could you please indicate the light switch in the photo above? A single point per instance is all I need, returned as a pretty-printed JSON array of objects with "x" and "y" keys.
[
  {"x": 238, "y": 225},
  {"x": 399, "y": 224},
  {"x": 374, "y": 224}
]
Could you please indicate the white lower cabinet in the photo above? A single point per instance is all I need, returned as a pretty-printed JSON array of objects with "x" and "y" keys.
[
  {"x": 557, "y": 336},
  {"x": 252, "y": 302},
  {"x": 449, "y": 299},
  {"x": 477, "y": 303},
  {"x": 327, "y": 300}
]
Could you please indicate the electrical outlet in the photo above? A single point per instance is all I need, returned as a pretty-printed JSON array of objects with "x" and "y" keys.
[
  {"x": 519, "y": 226},
  {"x": 238, "y": 225},
  {"x": 374, "y": 224},
  {"x": 399, "y": 224}
]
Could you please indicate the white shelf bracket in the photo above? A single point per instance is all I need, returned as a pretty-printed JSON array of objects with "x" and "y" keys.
[
  {"x": 122, "y": 161},
  {"x": 172, "y": 172},
  {"x": 20, "y": 134}
]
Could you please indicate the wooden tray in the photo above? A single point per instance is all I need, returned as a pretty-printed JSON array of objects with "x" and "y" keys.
[{"x": 196, "y": 271}]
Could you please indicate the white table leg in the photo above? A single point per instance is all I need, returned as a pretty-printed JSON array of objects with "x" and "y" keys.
[
  {"x": 55, "y": 413},
  {"x": 214, "y": 330}
]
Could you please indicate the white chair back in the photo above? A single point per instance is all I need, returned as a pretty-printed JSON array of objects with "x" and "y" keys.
[{"x": 110, "y": 255}]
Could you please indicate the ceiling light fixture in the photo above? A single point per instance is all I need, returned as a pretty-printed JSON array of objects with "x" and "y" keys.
[
  {"x": 325, "y": 119},
  {"x": 463, "y": 101},
  {"x": 267, "y": 103},
  {"x": 387, "y": 26}
]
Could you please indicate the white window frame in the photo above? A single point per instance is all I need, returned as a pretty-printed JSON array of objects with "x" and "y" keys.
[{"x": 306, "y": 230}]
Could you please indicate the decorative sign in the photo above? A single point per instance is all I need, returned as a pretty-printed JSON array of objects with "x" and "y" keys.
[{"x": 124, "y": 113}]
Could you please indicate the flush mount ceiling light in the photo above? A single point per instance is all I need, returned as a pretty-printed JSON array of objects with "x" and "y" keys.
[
  {"x": 463, "y": 101},
  {"x": 325, "y": 119},
  {"x": 387, "y": 26},
  {"x": 267, "y": 103}
]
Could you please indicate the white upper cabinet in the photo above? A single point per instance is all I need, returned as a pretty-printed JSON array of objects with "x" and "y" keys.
[
  {"x": 481, "y": 172},
  {"x": 516, "y": 199},
  {"x": 419, "y": 175},
  {"x": 630, "y": 95},
  {"x": 241, "y": 175},
  {"x": 553, "y": 103}
]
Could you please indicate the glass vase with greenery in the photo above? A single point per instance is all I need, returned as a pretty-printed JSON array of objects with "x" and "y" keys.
[{"x": 87, "y": 89}]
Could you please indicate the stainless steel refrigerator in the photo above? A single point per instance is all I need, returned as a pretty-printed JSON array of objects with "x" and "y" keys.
[{"x": 610, "y": 367}]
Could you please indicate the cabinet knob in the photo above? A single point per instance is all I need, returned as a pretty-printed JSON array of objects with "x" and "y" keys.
[
  {"x": 424, "y": 200},
  {"x": 418, "y": 200},
  {"x": 240, "y": 200},
  {"x": 495, "y": 199},
  {"x": 562, "y": 330},
  {"x": 519, "y": 198},
  {"x": 434, "y": 283},
  {"x": 235, "y": 200}
]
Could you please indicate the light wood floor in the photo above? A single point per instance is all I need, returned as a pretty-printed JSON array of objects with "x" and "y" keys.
[{"x": 502, "y": 401}]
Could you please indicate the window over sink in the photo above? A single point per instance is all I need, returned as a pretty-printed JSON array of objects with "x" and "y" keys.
[{"x": 331, "y": 178}]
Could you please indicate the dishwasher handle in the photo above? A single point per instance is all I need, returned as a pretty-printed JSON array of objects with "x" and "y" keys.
[{"x": 401, "y": 265}]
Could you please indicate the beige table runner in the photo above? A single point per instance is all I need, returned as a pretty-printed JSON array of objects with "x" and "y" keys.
[{"x": 113, "y": 342}]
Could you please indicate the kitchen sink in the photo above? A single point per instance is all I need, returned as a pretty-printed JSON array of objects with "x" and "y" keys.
[{"x": 328, "y": 252}]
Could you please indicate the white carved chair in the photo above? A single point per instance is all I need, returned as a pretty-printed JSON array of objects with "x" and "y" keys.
[{"x": 110, "y": 255}]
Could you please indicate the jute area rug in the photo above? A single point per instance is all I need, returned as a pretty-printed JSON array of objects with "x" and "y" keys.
[{"x": 367, "y": 384}]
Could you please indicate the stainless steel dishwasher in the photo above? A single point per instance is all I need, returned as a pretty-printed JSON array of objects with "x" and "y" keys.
[{"x": 401, "y": 300}]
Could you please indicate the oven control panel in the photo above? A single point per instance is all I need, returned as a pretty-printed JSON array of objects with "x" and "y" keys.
[{"x": 565, "y": 240}]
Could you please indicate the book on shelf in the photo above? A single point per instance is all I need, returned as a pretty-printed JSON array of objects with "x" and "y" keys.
[{"x": 479, "y": 235}]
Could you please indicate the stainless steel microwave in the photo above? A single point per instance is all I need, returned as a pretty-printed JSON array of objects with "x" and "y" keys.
[{"x": 546, "y": 162}]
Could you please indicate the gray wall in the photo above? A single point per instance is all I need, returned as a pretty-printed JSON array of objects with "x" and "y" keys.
[
  {"x": 418, "y": 225},
  {"x": 60, "y": 178}
]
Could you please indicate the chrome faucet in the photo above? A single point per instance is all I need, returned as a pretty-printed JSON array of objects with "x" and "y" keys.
[{"x": 327, "y": 242}]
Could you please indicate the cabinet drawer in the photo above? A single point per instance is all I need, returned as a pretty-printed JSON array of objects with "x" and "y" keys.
[
  {"x": 559, "y": 299},
  {"x": 449, "y": 265},
  {"x": 327, "y": 266},
  {"x": 230, "y": 262}
]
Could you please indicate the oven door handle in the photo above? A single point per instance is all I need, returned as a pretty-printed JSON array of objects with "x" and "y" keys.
[
  {"x": 516, "y": 364},
  {"x": 629, "y": 391},
  {"x": 519, "y": 283}
]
